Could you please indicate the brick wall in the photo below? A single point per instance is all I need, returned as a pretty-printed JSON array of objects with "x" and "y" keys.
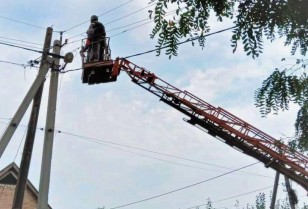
[{"x": 7, "y": 195}]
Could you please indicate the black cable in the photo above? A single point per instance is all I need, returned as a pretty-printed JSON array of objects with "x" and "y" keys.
[
  {"x": 13, "y": 63},
  {"x": 124, "y": 26},
  {"x": 129, "y": 14},
  {"x": 22, "y": 22},
  {"x": 33, "y": 50},
  {"x": 22, "y": 139},
  {"x": 13, "y": 39},
  {"x": 104, "y": 142},
  {"x": 99, "y": 15},
  {"x": 18, "y": 64},
  {"x": 131, "y": 29},
  {"x": 154, "y": 50},
  {"x": 188, "y": 40},
  {"x": 24, "y": 45},
  {"x": 125, "y": 16},
  {"x": 155, "y": 152},
  {"x": 142, "y": 155},
  {"x": 5, "y": 118},
  {"x": 185, "y": 187},
  {"x": 115, "y": 29},
  {"x": 232, "y": 197}
]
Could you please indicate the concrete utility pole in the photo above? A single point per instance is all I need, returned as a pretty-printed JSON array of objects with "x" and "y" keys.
[
  {"x": 275, "y": 191},
  {"x": 291, "y": 193},
  {"x": 49, "y": 130},
  {"x": 27, "y": 152},
  {"x": 10, "y": 130}
]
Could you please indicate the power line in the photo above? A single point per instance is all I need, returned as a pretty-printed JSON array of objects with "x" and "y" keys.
[
  {"x": 154, "y": 50},
  {"x": 129, "y": 14},
  {"x": 18, "y": 21},
  {"x": 8, "y": 42},
  {"x": 167, "y": 14},
  {"x": 5, "y": 118},
  {"x": 154, "y": 152},
  {"x": 22, "y": 139},
  {"x": 99, "y": 15},
  {"x": 124, "y": 26},
  {"x": 232, "y": 197},
  {"x": 185, "y": 187},
  {"x": 131, "y": 29},
  {"x": 142, "y": 155},
  {"x": 104, "y": 143},
  {"x": 13, "y": 63},
  {"x": 115, "y": 20},
  {"x": 13, "y": 39},
  {"x": 21, "y": 47},
  {"x": 188, "y": 40}
]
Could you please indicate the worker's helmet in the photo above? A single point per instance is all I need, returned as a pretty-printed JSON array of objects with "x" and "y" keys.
[{"x": 94, "y": 18}]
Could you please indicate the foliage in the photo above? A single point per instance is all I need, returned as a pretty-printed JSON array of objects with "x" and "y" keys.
[
  {"x": 279, "y": 90},
  {"x": 209, "y": 204},
  {"x": 253, "y": 20},
  {"x": 260, "y": 203}
]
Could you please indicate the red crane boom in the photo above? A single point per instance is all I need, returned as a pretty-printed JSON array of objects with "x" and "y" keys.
[{"x": 221, "y": 124}]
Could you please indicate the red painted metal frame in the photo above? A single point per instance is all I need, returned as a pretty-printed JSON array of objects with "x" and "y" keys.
[{"x": 229, "y": 123}]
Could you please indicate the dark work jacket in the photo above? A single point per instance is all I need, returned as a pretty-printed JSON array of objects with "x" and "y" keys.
[{"x": 96, "y": 31}]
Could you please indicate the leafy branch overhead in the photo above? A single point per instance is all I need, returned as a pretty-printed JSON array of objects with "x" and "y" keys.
[
  {"x": 282, "y": 88},
  {"x": 254, "y": 20}
]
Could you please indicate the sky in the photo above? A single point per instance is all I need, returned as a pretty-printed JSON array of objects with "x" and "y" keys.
[{"x": 90, "y": 169}]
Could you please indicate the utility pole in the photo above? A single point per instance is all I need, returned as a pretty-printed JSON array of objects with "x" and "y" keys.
[
  {"x": 49, "y": 130},
  {"x": 40, "y": 78},
  {"x": 292, "y": 196},
  {"x": 275, "y": 191},
  {"x": 27, "y": 152}
]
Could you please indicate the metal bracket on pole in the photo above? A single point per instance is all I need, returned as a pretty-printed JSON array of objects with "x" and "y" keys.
[
  {"x": 49, "y": 132},
  {"x": 8, "y": 133}
]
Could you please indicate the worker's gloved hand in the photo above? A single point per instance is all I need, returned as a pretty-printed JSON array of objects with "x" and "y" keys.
[{"x": 82, "y": 51}]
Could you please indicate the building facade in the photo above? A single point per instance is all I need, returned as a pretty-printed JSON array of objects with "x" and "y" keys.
[{"x": 8, "y": 180}]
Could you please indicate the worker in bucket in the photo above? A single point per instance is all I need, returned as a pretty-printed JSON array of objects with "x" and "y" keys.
[{"x": 96, "y": 41}]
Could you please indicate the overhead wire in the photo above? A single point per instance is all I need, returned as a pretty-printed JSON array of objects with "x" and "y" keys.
[
  {"x": 167, "y": 14},
  {"x": 25, "y": 23},
  {"x": 155, "y": 50},
  {"x": 133, "y": 23},
  {"x": 99, "y": 15},
  {"x": 154, "y": 152},
  {"x": 105, "y": 143},
  {"x": 131, "y": 29},
  {"x": 232, "y": 197},
  {"x": 24, "y": 45},
  {"x": 115, "y": 20},
  {"x": 33, "y": 50},
  {"x": 13, "y": 63},
  {"x": 150, "y": 5},
  {"x": 183, "y": 42},
  {"x": 124, "y": 26},
  {"x": 21, "y": 141},
  {"x": 23, "y": 41},
  {"x": 159, "y": 159},
  {"x": 182, "y": 188}
]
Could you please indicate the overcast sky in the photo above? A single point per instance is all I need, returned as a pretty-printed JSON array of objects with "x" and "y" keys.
[{"x": 88, "y": 175}]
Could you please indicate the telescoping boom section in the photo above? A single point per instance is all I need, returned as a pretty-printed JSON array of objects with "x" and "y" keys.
[
  {"x": 213, "y": 120},
  {"x": 223, "y": 125}
]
